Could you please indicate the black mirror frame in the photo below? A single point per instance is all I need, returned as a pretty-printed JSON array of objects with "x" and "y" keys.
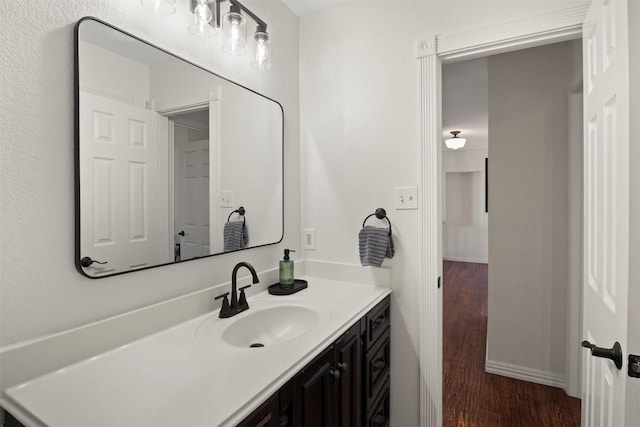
[{"x": 76, "y": 111}]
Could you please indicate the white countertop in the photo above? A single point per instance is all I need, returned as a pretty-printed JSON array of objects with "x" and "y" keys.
[{"x": 174, "y": 378}]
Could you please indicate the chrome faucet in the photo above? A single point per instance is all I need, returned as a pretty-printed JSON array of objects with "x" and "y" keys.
[{"x": 237, "y": 305}]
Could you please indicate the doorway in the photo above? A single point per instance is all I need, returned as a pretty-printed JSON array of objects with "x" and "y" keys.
[
  {"x": 524, "y": 325},
  {"x": 191, "y": 178}
]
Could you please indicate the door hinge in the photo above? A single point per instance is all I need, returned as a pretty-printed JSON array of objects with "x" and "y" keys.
[
  {"x": 439, "y": 281},
  {"x": 634, "y": 366}
]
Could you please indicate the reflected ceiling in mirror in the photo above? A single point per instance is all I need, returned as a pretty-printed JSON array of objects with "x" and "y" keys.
[{"x": 168, "y": 156}]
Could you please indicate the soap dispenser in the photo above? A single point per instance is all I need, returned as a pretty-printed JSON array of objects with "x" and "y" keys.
[{"x": 286, "y": 271}]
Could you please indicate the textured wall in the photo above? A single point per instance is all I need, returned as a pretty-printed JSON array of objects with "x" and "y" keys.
[
  {"x": 360, "y": 139},
  {"x": 40, "y": 290}
]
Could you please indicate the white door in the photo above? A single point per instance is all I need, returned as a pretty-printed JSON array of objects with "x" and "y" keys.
[
  {"x": 119, "y": 220},
  {"x": 192, "y": 197},
  {"x": 606, "y": 209}
]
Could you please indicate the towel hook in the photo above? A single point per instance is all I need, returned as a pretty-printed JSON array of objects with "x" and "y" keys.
[
  {"x": 240, "y": 211},
  {"x": 380, "y": 213}
]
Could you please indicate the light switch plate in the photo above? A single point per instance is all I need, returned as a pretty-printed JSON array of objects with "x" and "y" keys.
[
  {"x": 226, "y": 199},
  {"x": 406, "y": 198}
]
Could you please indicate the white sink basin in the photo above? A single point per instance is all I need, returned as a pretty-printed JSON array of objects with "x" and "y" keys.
[
  {"x": 270, "y": 326},
  {"x": 265, "y": 324}
]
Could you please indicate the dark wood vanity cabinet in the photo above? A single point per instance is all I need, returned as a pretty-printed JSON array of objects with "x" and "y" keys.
[
  {"x": 376, "y": 365},
  {"x": 267, "y": 414},
  {"x": 346, "y": 385},
  {"x": 327, "y": 392}
]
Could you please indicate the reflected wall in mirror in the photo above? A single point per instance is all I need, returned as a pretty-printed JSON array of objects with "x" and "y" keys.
[{"x": 166, "y": 154}]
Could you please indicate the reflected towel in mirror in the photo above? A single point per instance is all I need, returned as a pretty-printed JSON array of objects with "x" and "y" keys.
[
  {"x": 236, "y": 236},
  {"x": 376, "y": 244}
]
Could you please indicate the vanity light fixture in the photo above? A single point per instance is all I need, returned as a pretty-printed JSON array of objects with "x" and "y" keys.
[
  {"x": 203, "y": 14},
  {"x": 262, "y": 59},
  {"x": 234, "y": 28},
  {"x": 455, "y": 142},
  {"x": 208, "y": 20},
  {"x": 160, "y": 7}
]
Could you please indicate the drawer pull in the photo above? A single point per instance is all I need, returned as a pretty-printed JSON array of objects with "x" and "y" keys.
[
  {"x": 379, "y": 364},
  {"x": 378, "y": 320},
  {"x": 378, "y": 419},
  {"x": 342, "y": 366},
  {"x": 335, "y": 374}
]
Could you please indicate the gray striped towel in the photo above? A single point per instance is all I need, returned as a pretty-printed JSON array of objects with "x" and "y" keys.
[
  {"x": 376, "y": 244},
  {"x": 235, "y": 236}
]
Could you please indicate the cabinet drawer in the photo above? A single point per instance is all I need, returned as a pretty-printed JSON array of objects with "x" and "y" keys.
[
  {"x": 378, "y": 416},
  {"x": 377, "y": 367},
  {"x": 377, "y": 321}
]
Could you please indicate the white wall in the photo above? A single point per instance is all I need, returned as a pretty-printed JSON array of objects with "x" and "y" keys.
[
  {"x": 40, "y": 290},
  {"x": 528, "y": 200},
  {"x": 245, "y": 121},
  {"x": 360, "y": 138},
  {"x": 241, "y": 143},
  {"x": 465, "y": 232},
  {"x": 109, "y": 73}
]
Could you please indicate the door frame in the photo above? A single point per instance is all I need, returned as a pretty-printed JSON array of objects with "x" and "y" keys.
[
  {"x": 166, "y": 109},
  {"x": 431, "y": 53}
]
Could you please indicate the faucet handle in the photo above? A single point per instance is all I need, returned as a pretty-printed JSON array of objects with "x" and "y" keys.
[
  {"x": 222, "y": 296},
  {"x": 225, "y": 309},
  {"x": 243, "y": 298}
]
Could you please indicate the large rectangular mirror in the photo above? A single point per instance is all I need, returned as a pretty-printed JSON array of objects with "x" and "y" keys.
[{"x": 168, "y": 156}]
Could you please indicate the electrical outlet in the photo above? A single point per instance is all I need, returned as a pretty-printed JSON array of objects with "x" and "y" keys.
[
  {"x": 309, "y": 239},
  {"x": 406, "y": 198},
  {"x": 226, "y": 199}
]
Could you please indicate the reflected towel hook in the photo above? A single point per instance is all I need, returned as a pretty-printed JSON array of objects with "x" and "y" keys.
[
  {"x": 240, "y": 211},
  {"x": 87, "y": 261},
  {"x": 380, "y": 213}
]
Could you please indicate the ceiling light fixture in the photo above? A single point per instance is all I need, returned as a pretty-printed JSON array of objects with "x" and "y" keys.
[
  {"x": 455, "y": 142},
  {"x": 160, "y": 7}
]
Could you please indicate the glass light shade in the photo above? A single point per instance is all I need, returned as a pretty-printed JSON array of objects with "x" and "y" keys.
[
  {"x": 160, "y": 7},
  {"x": 262, "y": 59},
  {"x": 455, "y": 143},
  {"x": 202, "y": 16},
  {"x": 234, "y": 28}
]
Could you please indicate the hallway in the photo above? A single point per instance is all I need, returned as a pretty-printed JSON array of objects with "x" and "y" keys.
[{"x": 472, "y": 397}]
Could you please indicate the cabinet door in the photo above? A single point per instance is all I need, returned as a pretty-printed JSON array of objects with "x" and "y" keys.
[
  {"x": 348, "y": 353},
  {"x": 267, "y": 415},
  {"x": 313, "y": 393}
]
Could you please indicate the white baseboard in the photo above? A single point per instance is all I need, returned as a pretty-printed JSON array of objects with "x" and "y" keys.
[
  {"x": 524, "y": 374},
  {"x": 463, "y": 259}
]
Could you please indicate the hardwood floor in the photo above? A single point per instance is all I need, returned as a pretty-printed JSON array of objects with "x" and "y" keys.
[{"x": 472, "y": 397}]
